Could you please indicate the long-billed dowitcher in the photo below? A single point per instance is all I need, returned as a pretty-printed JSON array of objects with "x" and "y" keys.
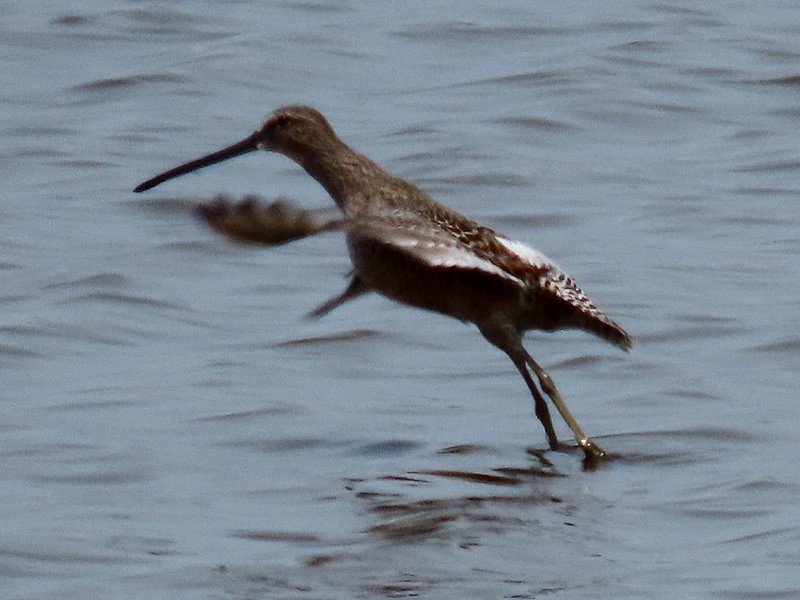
[{"x": 408, "y": 247}]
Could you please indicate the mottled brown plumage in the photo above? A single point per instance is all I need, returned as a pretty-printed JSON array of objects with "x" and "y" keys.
[{"x": 410, "y": 248}]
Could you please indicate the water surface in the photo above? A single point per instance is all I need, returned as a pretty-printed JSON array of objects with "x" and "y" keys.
[{"x": 172, "y": 425}]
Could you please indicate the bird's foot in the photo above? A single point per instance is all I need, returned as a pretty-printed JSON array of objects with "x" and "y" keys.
[{"x": 592, "y": 453}]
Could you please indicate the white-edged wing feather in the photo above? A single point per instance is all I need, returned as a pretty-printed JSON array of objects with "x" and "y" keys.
[{"x": 431, "y": 246}]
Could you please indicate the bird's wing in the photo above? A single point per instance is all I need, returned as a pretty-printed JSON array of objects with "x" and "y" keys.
[
  {"x": 255, "y": 221},
  {"x": 427, "y": 243}
]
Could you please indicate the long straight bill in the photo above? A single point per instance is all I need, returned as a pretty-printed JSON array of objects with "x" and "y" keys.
[{"x": 246, "y": 145}]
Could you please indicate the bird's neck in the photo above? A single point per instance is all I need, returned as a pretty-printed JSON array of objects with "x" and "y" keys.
[{"x": 345, "y": 174}]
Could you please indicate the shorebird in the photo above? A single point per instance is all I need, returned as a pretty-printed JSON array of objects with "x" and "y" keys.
[{"x": 405, "y": 245}]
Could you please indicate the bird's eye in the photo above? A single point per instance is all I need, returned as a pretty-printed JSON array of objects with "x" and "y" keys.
[{"x": 275, "y": 124}]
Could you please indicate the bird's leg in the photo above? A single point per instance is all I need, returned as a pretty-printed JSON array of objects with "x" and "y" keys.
[
  {"x": 540, "y": 406},
  {"x": 509, "y": 341},
  {"x": 355, "y": 288},
  {"x": 592, "y": 451}
]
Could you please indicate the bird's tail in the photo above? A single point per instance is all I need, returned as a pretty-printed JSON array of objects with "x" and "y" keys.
[
  {"x": 584, "y": 314},
  {"x": 603, "y": 327}
]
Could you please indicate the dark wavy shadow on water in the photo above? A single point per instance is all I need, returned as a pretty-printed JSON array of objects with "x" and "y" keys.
[{"x": 394, "y": 501}]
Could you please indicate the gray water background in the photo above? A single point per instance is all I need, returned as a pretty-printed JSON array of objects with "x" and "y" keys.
[{"x": 172, "y": 426}]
